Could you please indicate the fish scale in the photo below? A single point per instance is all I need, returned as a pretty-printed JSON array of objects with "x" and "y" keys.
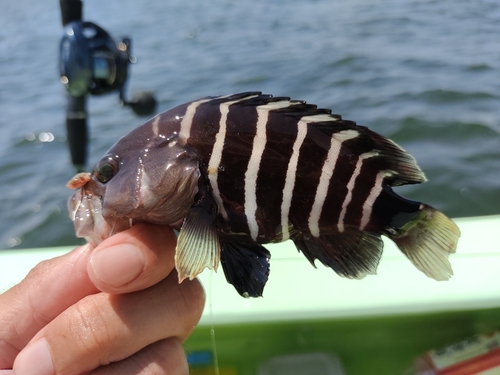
[{"x": 234, "y": 172}]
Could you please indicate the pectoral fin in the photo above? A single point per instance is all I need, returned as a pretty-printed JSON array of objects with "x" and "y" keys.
[
  {"x": 198, "y": 243},
  {"x": 246, "y": 267},
  {"x": 351, "y": 253}
]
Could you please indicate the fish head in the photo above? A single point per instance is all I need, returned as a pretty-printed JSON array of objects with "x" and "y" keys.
[{"x": 142, "y": 178}]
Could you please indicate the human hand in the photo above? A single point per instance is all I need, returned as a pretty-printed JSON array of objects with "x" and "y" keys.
[{"x": 115, "y": 309}]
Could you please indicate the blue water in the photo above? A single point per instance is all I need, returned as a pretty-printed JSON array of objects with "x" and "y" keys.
[{"x": 424, "y": 73}]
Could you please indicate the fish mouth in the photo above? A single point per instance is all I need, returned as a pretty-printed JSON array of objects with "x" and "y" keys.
[{"x": 85, "y": 208}]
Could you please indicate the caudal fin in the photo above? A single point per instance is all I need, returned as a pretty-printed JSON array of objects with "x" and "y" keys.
[{"x": 428, "y": 240}]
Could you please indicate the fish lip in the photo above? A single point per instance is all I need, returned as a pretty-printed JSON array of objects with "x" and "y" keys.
[{"x": 85, "y": 208}]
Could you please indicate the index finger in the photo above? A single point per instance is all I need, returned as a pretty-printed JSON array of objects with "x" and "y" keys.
[
  {"x": 48, "y": 289},
  {"x": 106, "y": 328}
]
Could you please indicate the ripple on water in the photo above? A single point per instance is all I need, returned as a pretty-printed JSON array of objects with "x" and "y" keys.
[{"x": 423, "y": 73}]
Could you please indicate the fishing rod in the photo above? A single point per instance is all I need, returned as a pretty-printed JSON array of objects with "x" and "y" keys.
[{"x": 92, "y": 63}]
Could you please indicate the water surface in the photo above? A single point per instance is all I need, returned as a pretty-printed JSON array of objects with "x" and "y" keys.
[{"x": 424, "y": 73}]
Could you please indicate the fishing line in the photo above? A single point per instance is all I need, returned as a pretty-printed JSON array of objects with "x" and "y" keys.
[{"x": 212, "y": 326}]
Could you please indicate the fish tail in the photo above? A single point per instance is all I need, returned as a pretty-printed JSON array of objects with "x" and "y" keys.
[{"x": 427, "y": 240}]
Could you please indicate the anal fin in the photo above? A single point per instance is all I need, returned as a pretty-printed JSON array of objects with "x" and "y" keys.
[
  {"x": 350, "y": 253},
  {"x": 198, "y": 244},
  {"x": 246, "y": 267}
]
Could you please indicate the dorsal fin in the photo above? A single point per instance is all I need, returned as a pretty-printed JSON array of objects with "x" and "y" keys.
[
  {"x": 401, "y": 166},
  {"x": 391, "y": 157},
  {"x": 235, "y": 97},
  {"x": 298, "y": 108}
]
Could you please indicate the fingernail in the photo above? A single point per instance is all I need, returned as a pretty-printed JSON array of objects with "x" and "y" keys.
[
  {"x": 34, "y": 360},
  {"x": 118, "y": 265}
]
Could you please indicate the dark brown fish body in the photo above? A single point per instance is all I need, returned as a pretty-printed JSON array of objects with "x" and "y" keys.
[{"x": 239, "y": 171}]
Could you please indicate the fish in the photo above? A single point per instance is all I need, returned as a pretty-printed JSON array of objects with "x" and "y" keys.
[{"x": 232, "y": 173}]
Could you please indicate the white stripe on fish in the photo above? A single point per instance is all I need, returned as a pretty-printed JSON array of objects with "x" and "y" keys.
[
  {"x": 216, "y": 155},
  {"x": 326, "y": 175},
  {"x": 187, "y": 120},
  {"x": 154, "y": 125},
  {"x": 350, "y": 186},
  {"x": 252, "y": 172},
  {"x": 290, "y": 177},
  {"x": 374, "y": 193}
]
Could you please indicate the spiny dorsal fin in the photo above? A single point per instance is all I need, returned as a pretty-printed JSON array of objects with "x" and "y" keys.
[
  {"x": 246, "y": 267},
  {"x": 351, "y": 253},
  {"x": 198, "y": 242},
  {"x": 391, "y": 157},
  {"x": 428, "y": 240},
  {"x": 297, "y": 108},
  {"x": 238, "y": 96}
]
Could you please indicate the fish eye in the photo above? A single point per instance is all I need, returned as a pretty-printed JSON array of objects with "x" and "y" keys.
[{"x": 106, "y": 170}]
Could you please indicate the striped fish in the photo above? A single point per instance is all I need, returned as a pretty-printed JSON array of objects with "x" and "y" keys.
[{"x": 234, "y": 172}]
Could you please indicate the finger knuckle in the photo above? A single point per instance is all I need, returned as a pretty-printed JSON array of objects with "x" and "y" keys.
[{"x": 91, "y": 331}]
